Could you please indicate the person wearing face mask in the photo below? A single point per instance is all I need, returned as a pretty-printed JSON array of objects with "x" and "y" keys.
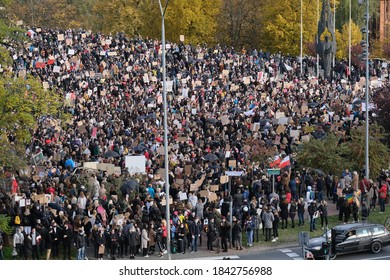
[
  {"x": 225, "y": 233},
  {"x": 35, "y": 241},
  {"x": 67, "y": 238}
]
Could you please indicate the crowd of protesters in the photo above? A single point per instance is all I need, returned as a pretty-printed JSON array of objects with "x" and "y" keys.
[{"x": 219, "y": 100}]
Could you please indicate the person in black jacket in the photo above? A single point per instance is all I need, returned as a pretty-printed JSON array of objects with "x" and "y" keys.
[
  {"x": 225, "y": 234},
  {"x": 101, "y": 243},
  {"x": 55, "y": 236},
  {"x": 284, "y": 213},
  {"x": 80, "y": 244},
  {"x": 133, "y": 241},
  {"x": 365, "y": 211},
  {"x": 301, "y": 212},
  {"x": 113, "y": 243},
  {"x": 237, "y": 234},
  {"x": 67, "y": 238},
  {"x": 323, "y": 209},
  {"x": 121, "y": 243},
  {"x": 182, "y": 236},
  {"x": 312, "y": 211},
  {"x": 194, "y": 233},
  {"x": 293, "y": 211}
]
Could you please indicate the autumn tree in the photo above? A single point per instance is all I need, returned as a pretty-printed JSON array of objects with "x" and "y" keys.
[
  {"x": 382, "y": 110},
  {"x": 114, "y": 16},
  {"x": 23, "y": 101},
  {"x": 47, "y": 13},
  {"x": 259, "y": 152},
  {"x": 239, "y": 23},
  {"x": 281, "y": 32},
  {"x": 342, "y": 39}
]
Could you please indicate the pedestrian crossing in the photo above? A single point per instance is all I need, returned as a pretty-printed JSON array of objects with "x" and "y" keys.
[
  {"x": 231, "y": 257},
  {"x": 291, "y": 254}
]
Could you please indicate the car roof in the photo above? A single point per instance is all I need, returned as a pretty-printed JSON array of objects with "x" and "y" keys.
[{"x": 354, "y": 225}]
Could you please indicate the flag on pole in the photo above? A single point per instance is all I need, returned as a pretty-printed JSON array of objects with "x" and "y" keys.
[
  {"x": 285, "y": 162},
  {"x": 275, "y": 162}
]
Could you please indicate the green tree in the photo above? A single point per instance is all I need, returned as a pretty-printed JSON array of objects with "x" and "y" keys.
[
  {"x": 357, "y": 12},
  {"x": 326, "y": 154},
  {"x": 5, "y": 224},
  {"x": 22, "y": 103},
  {"x": 378, "y": 152}
]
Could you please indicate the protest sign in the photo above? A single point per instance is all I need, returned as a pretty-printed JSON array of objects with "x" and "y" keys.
[{"x": 135, "y": 164}]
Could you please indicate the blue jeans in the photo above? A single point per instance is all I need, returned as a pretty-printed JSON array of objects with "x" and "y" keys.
[
  {"x": 81, "y": 253},
  {"x": 312, "y": 223},
  {"x": 249, "y": 237},
  {"x": 301, "y": 218},
  {"x": 382, "y": 202},
  {"x": 320, "y": 195},
  {"x": 194, "y": 244}
]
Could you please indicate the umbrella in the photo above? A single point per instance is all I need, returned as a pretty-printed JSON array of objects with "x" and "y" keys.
[
  {"x": 149, "y": 100},
  {"x": 151, "y": 116},
  {"x": 212, "y": 120},
  {"x": 264, "y": 121},
  {"x": 140, "y": 148},
  {"x": 235, "y": 110},
  {"x": 210, "y": 157},
  {"x": 358, "y": 103},
  {"x": 312, "y": 104},
  {"x": 111, "y": 154},
  {"x": 129, "y": 186},
  {"x": 303, "y": 120},
  {"x": 318, "y": 171}
]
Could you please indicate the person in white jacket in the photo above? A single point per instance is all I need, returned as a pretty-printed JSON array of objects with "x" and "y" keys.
[{"x": 309, "y": 195}]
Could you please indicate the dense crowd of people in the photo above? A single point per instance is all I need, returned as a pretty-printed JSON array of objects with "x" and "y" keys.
[{"x": 220, "y": 100}]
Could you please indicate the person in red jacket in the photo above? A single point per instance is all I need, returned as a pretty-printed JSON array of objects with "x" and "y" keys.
[{"x": 382, "y": 196}]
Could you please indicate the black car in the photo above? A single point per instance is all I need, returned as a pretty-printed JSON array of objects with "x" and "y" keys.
[{"x": 349, "y": 238}]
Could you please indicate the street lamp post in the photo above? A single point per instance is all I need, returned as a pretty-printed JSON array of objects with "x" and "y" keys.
[
  {"x": 367, "y": 142},
  {"x": 367, "y": 170},
  {"x": 349, "y": 37},
  {"x": 301, "y": 48},
  {"x": 163, "y": 10},
  {"x": 318, "y": 56}
]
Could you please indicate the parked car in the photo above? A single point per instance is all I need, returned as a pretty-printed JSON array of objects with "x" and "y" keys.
[{"x": 349, "y": 238}]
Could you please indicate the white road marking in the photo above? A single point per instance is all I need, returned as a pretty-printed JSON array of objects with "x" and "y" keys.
[
  {"x": 217, "y": 258},
  {"x": 292, "y": 255},
  {"x": 285, "y": 250}
]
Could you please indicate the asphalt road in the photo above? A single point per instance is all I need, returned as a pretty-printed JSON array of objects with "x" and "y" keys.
[{"x": 295, "y": 253}]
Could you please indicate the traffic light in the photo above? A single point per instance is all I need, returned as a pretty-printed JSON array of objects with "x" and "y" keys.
[{"x": 325, "y": 248}]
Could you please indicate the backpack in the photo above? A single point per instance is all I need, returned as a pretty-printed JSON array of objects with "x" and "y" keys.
[
  {"x": 312, "y": 195},
  {"x": 17, "y": 220}
]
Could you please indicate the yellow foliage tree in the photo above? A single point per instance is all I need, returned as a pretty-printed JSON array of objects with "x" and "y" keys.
[
  {"x": 47, "y": 13},
  {"x": 114, "y": 16},
  {"x": 195, "y": 19},
  {"x": 342, "y": 39},
  {"x": 282, "y": 25}
]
